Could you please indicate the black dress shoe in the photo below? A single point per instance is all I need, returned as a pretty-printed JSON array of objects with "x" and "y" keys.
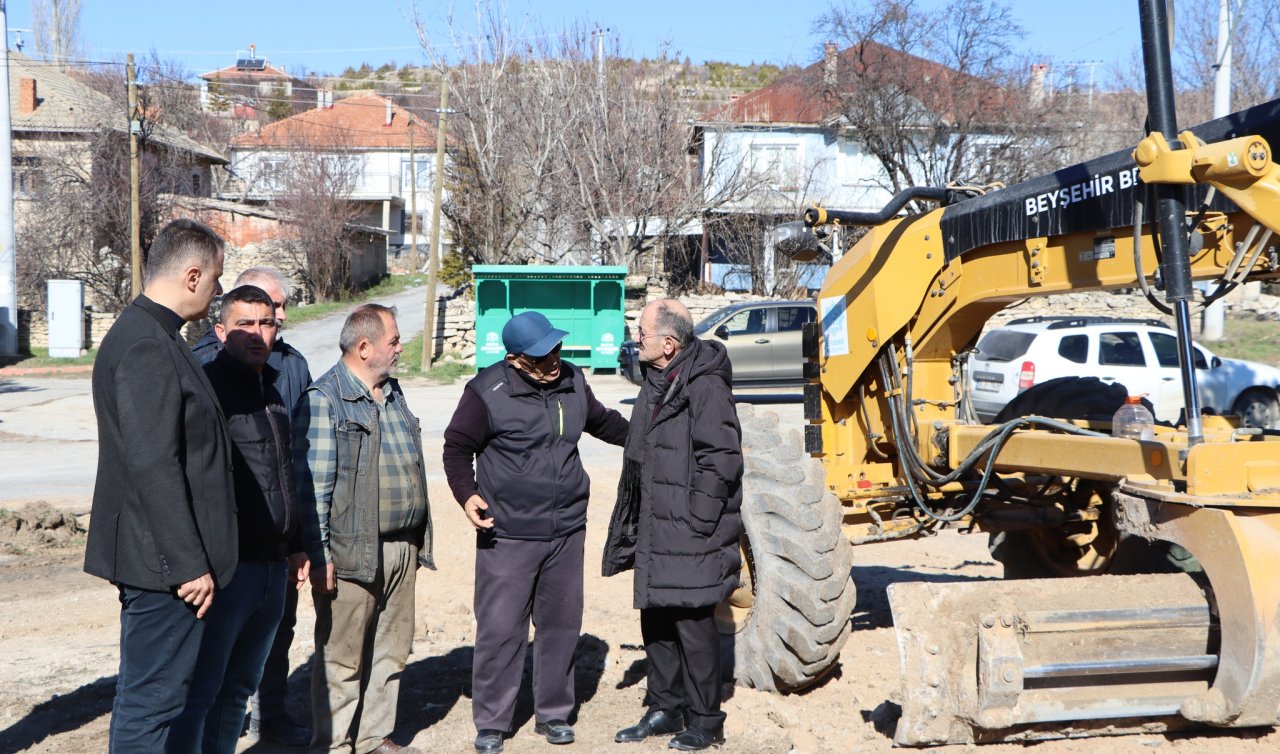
[
  {"x": 489, "y": 741},
  {"x": 555, "y": 731},
  {"x": 697, "y": 739},
  {"x": 654, "y": 723}
]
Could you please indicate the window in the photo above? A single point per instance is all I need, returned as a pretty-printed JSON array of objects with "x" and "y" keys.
[
  {"x": 1004, "y": 345},
  {"x": 1166, "y": 348},
  {"x": 777, "y": 164},
  {"x": 423, "y": 173},
  {"x": 1074, "y": 348},
  {"x": 793, "y": 317},
  {"x": 1120, "y": 349},
  {"x": 746, "y": 322},
  {"x": 272, "y": 172},
  {"x": 26, "y": 175}
]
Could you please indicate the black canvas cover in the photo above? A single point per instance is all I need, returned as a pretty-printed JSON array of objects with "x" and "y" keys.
[{"x": 1097, "y": 195}]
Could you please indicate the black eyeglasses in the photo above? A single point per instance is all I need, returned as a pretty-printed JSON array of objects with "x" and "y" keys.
[{"x": 541, "y": 359}]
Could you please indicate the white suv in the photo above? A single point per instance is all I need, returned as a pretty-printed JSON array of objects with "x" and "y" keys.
[{"x": 1140, "y": 354}]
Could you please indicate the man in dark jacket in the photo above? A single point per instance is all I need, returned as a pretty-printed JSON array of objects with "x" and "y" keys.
[
  {"x": 520, "y": 421},
  {"x": 270, "y": 719},
  {"x": 243, "y": 624},
  {"x": 678, "y": 522},
  {"x": 164, "y": 519}
]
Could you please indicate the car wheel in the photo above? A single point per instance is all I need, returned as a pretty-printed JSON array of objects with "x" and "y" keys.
[{"x": 1258, "y": 407}]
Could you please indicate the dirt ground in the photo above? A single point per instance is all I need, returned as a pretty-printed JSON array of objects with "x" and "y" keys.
[{"x": 59, "y": 631}]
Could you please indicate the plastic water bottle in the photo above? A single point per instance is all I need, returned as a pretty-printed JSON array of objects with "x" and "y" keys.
[{"x": 1133, "y": 420}]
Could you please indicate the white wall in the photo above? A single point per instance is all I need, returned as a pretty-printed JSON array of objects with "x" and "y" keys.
[{"x": 806, "y": 166}]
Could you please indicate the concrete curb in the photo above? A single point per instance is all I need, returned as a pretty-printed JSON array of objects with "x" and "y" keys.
[{"x": 33, "y": 371}]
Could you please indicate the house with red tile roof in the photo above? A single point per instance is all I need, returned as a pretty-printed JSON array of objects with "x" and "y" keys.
[
  {"x": 796, "y": 148},
  {"x": 366, "y": 139},
  {"x": 795, "y": 133},
  {"x": 253, "y": 88}
]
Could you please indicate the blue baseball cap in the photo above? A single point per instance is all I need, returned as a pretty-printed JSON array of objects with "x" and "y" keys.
[{"x": 531, "y": 334}]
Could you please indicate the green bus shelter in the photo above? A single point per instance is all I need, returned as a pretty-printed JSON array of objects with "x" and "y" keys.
[{"x": 585, "y": 301}]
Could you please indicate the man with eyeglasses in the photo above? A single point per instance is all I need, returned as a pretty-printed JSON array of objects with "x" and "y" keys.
[
  {"x": 677, "y": 522},
  {"x": 242, "y": 624},
  {"x": 519, "y": 422},
  {"x": 270, "y": 719}
]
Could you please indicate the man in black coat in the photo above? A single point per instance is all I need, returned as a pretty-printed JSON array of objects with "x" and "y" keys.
[
  {"x": 678, "y": 522},
  {"x": 163, "y": 527},
  {"x": 520, "y": 420},
  {"x": 270, "y": 719}
]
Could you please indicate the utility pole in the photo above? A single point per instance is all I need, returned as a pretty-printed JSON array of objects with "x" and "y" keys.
[
  {"x": 135, "y": 180},
  {"x": 8, "y": 239},
  {"x": 433, "y": 263},
  {"x": 413, "y": 201},
  {"x": 1211, "y": 319}
]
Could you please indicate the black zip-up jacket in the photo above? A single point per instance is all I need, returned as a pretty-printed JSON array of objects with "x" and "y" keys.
[
  {"x": 523, "y": 437},
  {"x": 267, "y": 508}
]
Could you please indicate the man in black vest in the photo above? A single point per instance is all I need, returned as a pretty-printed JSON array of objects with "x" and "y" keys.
[
  {"x": 682, "y": 486},
  {"x": 163, "y": 528},
  {"x": 520, "y": 420}
]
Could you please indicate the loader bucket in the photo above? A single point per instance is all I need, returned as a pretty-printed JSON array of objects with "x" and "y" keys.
[{"x": 1000, "y": 660}]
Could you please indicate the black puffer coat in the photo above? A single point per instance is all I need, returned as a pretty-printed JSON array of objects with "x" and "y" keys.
[{"x": 686, "y": 551}]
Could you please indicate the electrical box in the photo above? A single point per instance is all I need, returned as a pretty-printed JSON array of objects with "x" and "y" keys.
[{"x": 66, "y": 318}]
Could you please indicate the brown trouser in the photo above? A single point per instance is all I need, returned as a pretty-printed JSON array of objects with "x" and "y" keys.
[{"x": 363, "y": 636}]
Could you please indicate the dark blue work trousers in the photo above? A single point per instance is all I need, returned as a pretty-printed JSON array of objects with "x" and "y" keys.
[
  {"x": 269, "y": 701},
  {"x": 159, "y": 642},
  {"x": 517, "y": 580},
  {"x": 241, "y": 625}
]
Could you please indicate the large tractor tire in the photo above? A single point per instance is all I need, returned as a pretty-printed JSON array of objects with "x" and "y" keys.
[{"x": 792, "y": 614}]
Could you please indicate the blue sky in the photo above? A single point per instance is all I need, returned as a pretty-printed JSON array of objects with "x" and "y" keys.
[{"x": 329, "y": 35}]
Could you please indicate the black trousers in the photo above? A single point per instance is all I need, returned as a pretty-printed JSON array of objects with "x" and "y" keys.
[
  {"x": 159, "y": 643},
  {"x": 518, "y": 580},
  {"x": 683, "y": 648}
]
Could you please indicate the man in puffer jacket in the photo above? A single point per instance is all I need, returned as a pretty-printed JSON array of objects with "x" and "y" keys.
[
  {"x": 678, "y": 521},
  {"x": 520, "y": 421}
]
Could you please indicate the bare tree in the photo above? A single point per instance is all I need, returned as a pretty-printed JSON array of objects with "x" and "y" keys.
[
  {"x": 744, "y": 235},
  {"x": 1255, "y": 56},
  {"x": 505, "y": 142},
  {"x": 565, "y": 151},
  {"x": 74, "y": 212},
  {"x": 56, "y": 24},
  {"x": 313, "y": 189},
  {"x": 931, "y": 94}
]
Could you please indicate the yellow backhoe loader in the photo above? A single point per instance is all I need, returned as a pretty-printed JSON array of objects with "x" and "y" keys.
[{"x": 890, "y": 450}]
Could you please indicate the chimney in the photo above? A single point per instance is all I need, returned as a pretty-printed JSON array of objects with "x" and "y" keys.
[
  {"x": 1036, "y": 88},
  {"x": 26, "y": 96},
  {"x": 388, "y": 114},
  {"x": 830, "y": 59}
]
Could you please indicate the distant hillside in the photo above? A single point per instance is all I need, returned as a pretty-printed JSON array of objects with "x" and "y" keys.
[{"x": 704, "y": 85}]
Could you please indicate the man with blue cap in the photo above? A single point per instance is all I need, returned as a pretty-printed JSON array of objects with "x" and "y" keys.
[{"x": 519, "y": 422}]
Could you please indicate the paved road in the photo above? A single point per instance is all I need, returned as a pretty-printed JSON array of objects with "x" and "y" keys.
[{"x": 318, "y": 339}]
